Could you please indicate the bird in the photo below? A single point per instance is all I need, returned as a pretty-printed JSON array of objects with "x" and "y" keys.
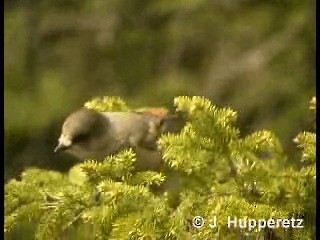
[{"x": 90, "y": 134}]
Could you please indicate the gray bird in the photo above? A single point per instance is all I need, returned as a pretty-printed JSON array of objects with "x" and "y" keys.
[{"x": 88, "y": 133}]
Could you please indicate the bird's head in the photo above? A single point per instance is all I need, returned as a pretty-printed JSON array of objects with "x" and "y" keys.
[{"x": 81, "y": 132}]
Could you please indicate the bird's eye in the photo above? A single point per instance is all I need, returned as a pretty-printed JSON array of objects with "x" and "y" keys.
[{"x": 80, "y": 138}]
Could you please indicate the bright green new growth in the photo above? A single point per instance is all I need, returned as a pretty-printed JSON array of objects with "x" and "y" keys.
[
  {"x": 105, "y": 104},
  {"x": 220, "y": 173}
]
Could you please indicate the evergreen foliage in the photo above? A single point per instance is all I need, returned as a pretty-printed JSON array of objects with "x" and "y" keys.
[{"x": 216, "y": 172}]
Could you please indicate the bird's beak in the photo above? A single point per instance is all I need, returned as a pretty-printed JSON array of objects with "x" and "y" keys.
[
  {"x": 60, "y": 147},
  {"x": 64, "y": 144}
]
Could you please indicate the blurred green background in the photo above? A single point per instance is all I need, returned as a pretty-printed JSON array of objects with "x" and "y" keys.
[{"x": 257, "y": 57}]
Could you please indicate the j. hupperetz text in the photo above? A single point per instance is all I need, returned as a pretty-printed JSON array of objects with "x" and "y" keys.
[{"x": 248, "y": 223}]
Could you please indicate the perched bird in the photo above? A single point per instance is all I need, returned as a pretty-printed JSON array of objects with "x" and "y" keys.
[{"x": 87, "y": 133}]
